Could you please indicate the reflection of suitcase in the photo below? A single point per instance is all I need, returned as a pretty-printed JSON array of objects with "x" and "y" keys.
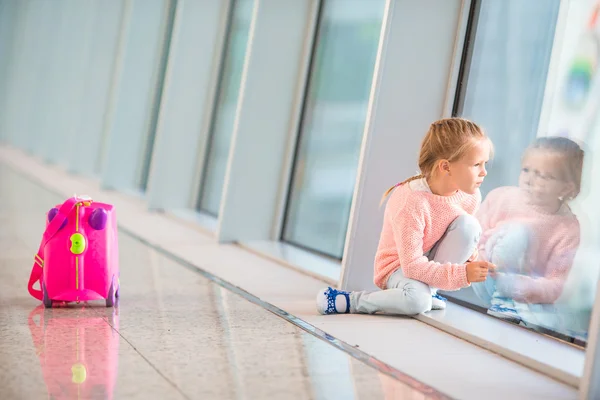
[
  {"x": 78, "y": 255},
  {"x": 78, "y": 355}
]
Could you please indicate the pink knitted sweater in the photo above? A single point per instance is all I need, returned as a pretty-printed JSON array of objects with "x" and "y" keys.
[
  {"x": 554, "y": 242},
  {"x": 414, "y": 220}
]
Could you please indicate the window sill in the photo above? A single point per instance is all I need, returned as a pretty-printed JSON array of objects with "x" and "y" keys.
[
  {"x": 560, "y": 360},
  {"x": 196, "y": 219},
  {"x": 134, "y": 193},
  {"x": 317, "y": 266}
]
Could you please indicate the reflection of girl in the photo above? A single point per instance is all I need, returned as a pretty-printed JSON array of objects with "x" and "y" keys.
[{"x": 529, "y": 231}]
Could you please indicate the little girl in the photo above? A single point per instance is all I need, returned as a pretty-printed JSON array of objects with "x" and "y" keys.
[
  {"x": 529, "y": 231},
  {"x": 429, "y": 231}
]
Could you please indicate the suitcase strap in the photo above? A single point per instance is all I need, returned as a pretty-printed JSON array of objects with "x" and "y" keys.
[{"x": 51, "y": 230}]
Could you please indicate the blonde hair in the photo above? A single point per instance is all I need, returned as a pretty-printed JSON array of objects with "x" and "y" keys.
[
  {"x": 571, "y": 152},
  {"x": 447, "y": 139}
]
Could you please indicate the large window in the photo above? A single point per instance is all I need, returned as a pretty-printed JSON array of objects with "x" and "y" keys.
[
  {"x": 162, "y": 67},
  {"x": 332, "y": 125},
  {"x": 227, "y": 101},
  {"x": 538, "y": 217}
]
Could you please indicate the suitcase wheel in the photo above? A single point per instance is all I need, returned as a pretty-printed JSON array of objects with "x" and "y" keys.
[
  {"x": 46, "y": 300},
  {"x": 113, "y": 291}
]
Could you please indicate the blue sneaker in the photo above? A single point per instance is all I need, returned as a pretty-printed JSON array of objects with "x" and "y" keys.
[
  {"x": 438, "y": 302},
  {"x": 503, "y": 312},
  {"x": 326, "y": 301}
]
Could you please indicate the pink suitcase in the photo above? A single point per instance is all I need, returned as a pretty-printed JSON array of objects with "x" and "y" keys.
[{"x": 78, "y": 258}]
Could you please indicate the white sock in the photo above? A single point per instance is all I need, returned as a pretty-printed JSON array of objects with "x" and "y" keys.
[{"x": 340, "y": 303}]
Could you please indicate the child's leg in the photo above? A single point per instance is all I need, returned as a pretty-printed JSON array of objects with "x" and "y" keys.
[
  {"x": 485, "y": 290},
  {"x": 459, "y": 242},
  {"x": 406, "y": 296},
  {"x": 503, "y": 308},
  {"x": 456, "y": 246},
  {"x": 403, "y": 296},
  {"x": 506, "y": 249}
]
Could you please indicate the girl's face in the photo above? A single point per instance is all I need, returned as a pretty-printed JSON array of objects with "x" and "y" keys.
[
  {"x": 469, "y": 172},
  {"x": 543, "y": 180}
]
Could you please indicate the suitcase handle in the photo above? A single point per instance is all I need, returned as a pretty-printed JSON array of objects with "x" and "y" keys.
[{"x": 51, "y": 230}]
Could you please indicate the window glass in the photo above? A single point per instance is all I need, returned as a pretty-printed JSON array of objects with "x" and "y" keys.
[
  {"x": 227, "y": 101},
  {"x": 535, "y": 91},
  {"x": 162, "y": 69},
  {"x": 333, "y": 123}
]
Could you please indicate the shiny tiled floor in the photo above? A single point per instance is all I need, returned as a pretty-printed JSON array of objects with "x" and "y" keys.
[{"x": 174, "y": 335}]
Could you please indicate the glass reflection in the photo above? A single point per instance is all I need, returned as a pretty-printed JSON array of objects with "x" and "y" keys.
[
  {"x": 531, "y": 234},
  {"x": 78, "y": 351},
  {"x": 539, "y": 100}
]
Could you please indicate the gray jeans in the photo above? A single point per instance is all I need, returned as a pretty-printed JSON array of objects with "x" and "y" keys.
[{"x": 405, "y": 296}]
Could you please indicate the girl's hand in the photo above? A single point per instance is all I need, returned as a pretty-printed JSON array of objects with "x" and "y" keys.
[{"x": 477, "y": 271}]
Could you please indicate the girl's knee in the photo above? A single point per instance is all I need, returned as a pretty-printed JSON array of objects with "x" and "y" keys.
[
  {"x": 420, "y": 303},
  {"x": 466, "y": 227}
]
